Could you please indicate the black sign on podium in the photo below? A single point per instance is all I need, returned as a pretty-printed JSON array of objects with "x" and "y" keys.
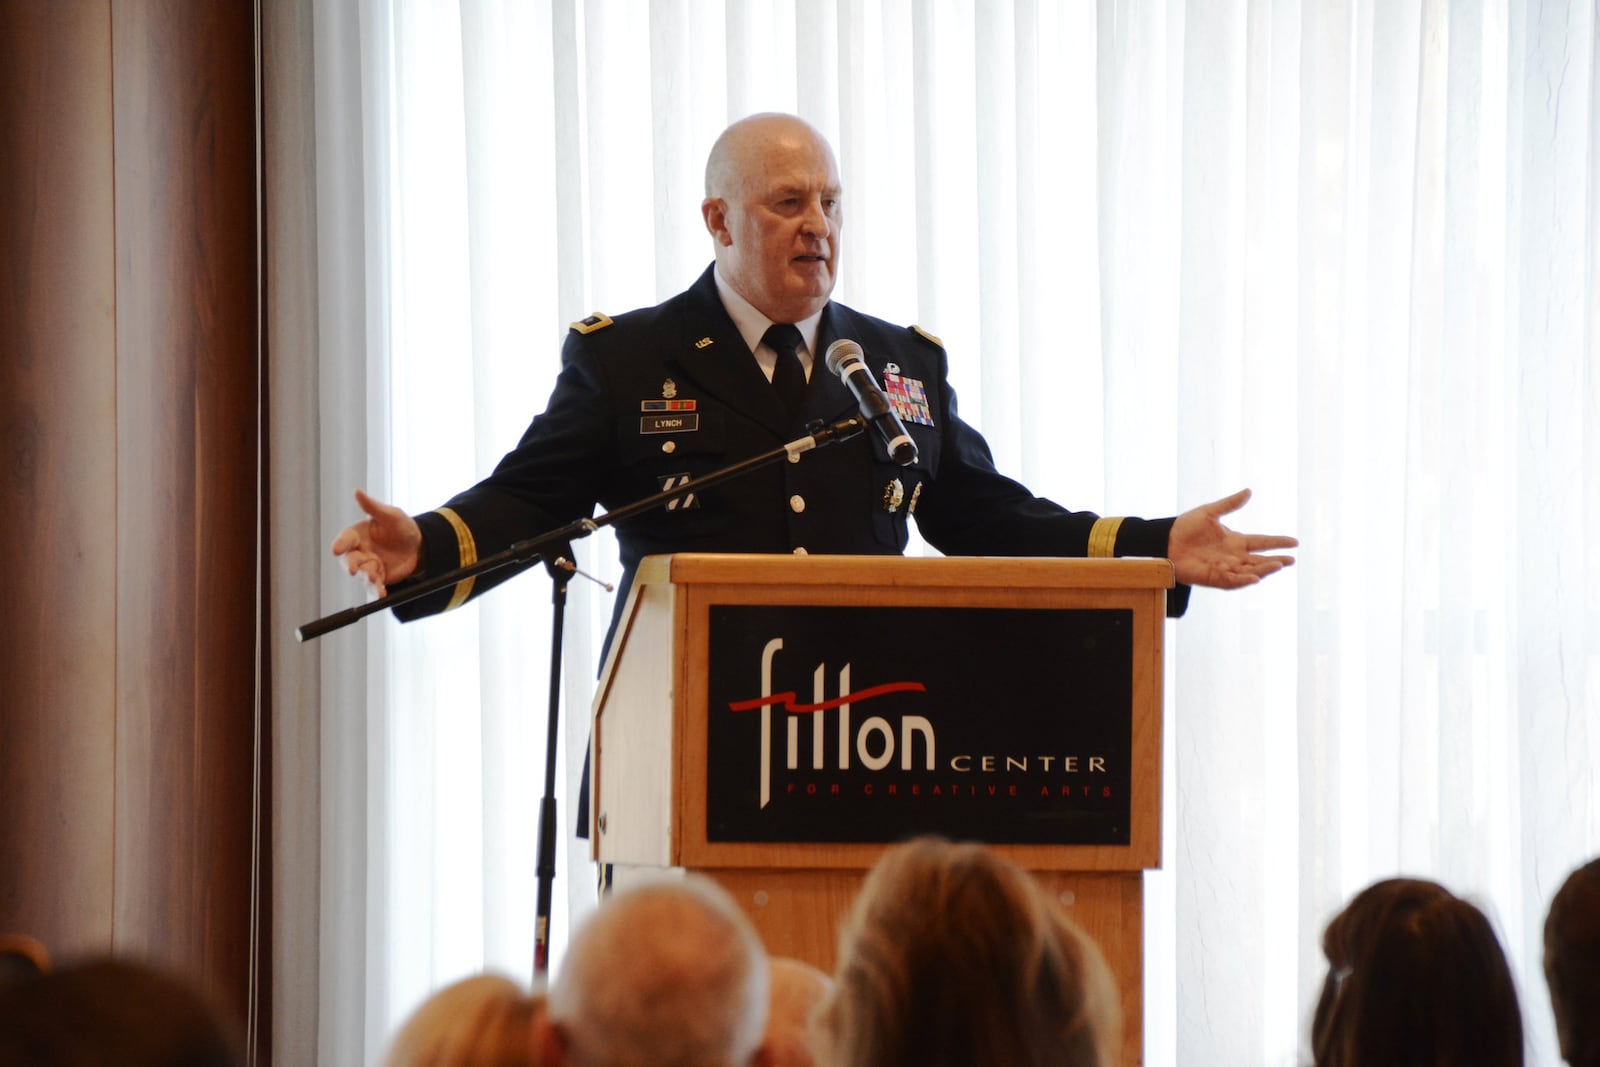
[{"x": 838, "y": 724}]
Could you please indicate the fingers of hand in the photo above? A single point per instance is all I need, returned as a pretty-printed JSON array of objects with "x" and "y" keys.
[
  {"x": 372, "y": 571},
  {"x": 1266, "y": 542},
  {"x": 375, "y": 508},
  {"x": 1228, "y": 504},
  {"x": 357, "y": 538}
]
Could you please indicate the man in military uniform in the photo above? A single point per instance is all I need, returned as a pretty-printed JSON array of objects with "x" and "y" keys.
[{"x": 732, "y": 368}]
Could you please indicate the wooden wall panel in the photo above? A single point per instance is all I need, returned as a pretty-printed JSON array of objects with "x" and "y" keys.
[
  {"x": 129, "y": 407},
  {"x": 58, "y": 473},
  {"x": 184, "y": 107}
]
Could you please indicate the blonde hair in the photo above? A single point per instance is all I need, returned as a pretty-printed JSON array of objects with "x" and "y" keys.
[
  {"x": 955, "y": 955},
  {"x": 484, "y": 1021}
]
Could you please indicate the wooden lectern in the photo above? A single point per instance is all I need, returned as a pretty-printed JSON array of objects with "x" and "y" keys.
[{"x": 773, "y": 722}]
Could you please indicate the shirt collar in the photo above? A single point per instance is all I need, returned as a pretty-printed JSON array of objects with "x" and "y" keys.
[{"x": 752, "y": 324}]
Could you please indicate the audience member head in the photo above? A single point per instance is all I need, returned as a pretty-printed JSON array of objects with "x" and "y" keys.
[
  {"x": 484, "y": 1021},
  {"x": 798, "y": 990},
  {"x": 112, "y": 1011},
  {"x": 665, "y": 974},
  {"x": 21, "y": 957},
  {"x": 1415, "y": 978},
  {"x": 954, "y": 955},
  {"x": 1572, "y": 965}
]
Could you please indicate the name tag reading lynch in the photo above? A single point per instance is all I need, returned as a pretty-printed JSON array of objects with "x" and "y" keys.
[{"x": 686, "y": 422}]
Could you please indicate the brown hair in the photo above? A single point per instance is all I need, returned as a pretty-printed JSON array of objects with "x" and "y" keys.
[
  {"x": 954, "y": 955},
  {"x": 114, "y": 1011},
  {"x": 1415, "y": 977},
  {"x": 1572, "y": 964},
  {"x": 484, "y": 1021}
]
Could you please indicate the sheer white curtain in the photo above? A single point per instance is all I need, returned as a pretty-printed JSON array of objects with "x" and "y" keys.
[{"x": 1341, "y": 252}]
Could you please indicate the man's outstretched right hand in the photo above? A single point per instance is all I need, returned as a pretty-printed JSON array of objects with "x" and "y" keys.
[{"x": 384, "y": 547}]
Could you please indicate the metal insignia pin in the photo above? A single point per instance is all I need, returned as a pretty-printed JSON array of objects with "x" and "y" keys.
[
  {"x": 893, "y": 494},
  {"x": 669, "y": 389},
  {"x": 891, "y": 368},
  {"x": 704, "y": 342}
]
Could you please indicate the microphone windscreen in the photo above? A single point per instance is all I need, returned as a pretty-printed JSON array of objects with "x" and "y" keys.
[{"x": 840, "y": 351}]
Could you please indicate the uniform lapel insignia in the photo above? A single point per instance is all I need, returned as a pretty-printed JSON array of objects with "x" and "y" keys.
[{"x": 704, "y": 342}]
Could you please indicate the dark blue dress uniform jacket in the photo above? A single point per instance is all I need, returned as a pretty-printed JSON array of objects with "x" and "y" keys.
[
  {"x": 594, "y": 444},
  {"x": 590, "y": 446}
]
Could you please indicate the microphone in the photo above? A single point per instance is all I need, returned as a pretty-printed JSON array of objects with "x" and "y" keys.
[{"x": 844, "y": 358}]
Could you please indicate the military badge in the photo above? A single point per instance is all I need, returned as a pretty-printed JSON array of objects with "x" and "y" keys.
[
  {"x": 687, "y": 502},
  {"x": 893, "y": 495},
  {"x": 911, "y": 508},
  {"x": 594, "y": 322},
  {"x": 907, "y": 397},
  {"x": 669, "y": 389}
]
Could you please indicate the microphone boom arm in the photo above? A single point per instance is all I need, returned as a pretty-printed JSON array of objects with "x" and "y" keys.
[{"x": 526, "y": 551}]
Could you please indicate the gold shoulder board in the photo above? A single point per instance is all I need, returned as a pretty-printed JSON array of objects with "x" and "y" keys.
[
  {"x": 926, "y": 336},
  {"x": 594, "y": 322}
]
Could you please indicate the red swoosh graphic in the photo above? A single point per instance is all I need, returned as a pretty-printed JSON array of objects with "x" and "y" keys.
[{"x": 787, "y": 699}]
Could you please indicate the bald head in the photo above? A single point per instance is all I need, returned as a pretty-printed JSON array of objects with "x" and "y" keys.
[
  {"x": 668, "y": 974},
  {"x": 797, "y": 989},
  {"x": 773, "y": 210}
]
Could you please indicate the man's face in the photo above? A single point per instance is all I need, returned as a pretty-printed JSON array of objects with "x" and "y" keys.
[{"x": 777, "y": 225}]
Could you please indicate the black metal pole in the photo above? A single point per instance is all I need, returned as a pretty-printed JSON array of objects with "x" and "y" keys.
[
  {"x": 547, "y": 546},
  {"x": 525, "y": 551},
  {"x": 545, "y": 867}
]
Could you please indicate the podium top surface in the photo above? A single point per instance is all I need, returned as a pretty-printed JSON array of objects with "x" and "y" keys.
[{"x": 690, "y": 568}]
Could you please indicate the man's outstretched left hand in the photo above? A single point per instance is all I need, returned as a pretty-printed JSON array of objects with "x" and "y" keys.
[{"x": 1205, "y": 552}]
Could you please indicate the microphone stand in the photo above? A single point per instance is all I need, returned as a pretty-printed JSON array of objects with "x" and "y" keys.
[{"x": 553, "y": 548}]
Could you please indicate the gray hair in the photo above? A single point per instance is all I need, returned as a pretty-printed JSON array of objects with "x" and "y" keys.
[{"x": 667, "y": 974}]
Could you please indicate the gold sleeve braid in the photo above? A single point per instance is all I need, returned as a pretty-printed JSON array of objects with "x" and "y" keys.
[
  {"x": 468, "y": 549},
  {"x": 1103, "y": 538}
]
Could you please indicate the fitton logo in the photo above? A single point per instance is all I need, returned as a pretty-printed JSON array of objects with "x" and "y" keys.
[{"x": 873, "y": 742}]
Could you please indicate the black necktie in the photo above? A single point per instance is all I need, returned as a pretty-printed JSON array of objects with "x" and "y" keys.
[{"x": 788, "y": 376}]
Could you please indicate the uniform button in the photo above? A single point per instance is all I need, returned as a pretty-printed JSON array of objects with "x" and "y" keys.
[
  {"x": 797, "y": 503},
  {"x": 800, "y": 551},
  {"x": 669, "y": 447}
]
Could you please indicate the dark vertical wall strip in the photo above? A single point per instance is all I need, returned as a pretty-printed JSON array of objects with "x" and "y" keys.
[
  {"x": 128, "y": 452},
  {"x": 58, "y": 473},
  {"x": 184, "y": 109}
]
